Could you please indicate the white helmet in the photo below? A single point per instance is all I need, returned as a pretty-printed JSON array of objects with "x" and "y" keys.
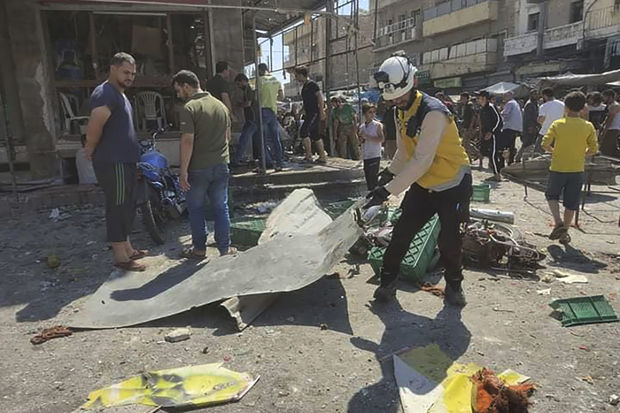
[{"x": 395, "y": 77}]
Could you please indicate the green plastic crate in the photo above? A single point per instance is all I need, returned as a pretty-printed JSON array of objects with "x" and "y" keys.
[
  {"x": 419, "y": 257},
  {"x": 584, "y": 310},
  {"x": 335, "y": 209},
  {"x": 481, "y": 192},
  {"x": 394, "y": 215},
  {"x": 246, "y": 231}
]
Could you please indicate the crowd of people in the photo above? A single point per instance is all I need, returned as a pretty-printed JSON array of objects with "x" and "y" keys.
[
  {"x": 490, "y": 126},
  {"x": 431, "y": 142}
]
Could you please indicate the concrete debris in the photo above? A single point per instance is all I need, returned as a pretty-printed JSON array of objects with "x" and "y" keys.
[
  {"x": 614, "y": 399},
  {"x": 179, "y": 334},
  {"x": 570, "y": 278},
  {"x": 54, "y": 213},
  {"x": 544, "y": 292}
]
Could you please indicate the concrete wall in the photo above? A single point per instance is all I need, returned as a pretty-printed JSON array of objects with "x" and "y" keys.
[
  {"x": 506, "y": 17},
  {"x": 461, "y": 18},
  {"x": 33, "y": 85}
]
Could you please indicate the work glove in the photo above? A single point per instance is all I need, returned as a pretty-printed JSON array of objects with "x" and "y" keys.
[
  {"x": 376, "y": 197},
  {"x": 385, "y": 176}
]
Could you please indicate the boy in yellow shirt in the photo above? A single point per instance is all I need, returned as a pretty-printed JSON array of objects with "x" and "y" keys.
[{"x": 569, "y": 140}]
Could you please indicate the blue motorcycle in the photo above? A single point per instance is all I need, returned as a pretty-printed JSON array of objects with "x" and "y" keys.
[{"x": 160, "y": 197}]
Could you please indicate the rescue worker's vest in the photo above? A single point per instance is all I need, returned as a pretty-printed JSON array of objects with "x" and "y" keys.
[{"x": 451, "y": 162}]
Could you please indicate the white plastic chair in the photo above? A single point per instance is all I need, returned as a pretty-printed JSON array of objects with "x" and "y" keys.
[
  {"x": 150, "y": 107},
  {"x": 69, "y": 105}
]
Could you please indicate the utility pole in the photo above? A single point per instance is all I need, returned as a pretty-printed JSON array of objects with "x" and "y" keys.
[{"x": 542, "y": 23}]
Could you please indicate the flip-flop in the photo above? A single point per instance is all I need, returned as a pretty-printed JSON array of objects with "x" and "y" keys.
[
  {"x": 130, "y": 266},
  {"x": 137, "y": 254},
  {"x": 189, "y": 254}
]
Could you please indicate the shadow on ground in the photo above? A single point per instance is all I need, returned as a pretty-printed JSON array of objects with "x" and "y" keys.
[
  {"x": 571, "y": 258},
  {"x": 405, "y": 330}
]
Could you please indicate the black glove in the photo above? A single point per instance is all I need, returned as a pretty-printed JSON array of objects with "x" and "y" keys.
[
  {"x": 385, "y": 176},
  {"x": 376, "y": 197}
]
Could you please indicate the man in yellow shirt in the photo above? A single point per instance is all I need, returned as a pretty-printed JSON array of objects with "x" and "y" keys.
[
  {"x": 569, "y": 140},
  {"x": 270, "y": 90}
]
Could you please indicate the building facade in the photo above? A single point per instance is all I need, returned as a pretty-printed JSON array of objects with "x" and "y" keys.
[
  {"x": 305, "y": 45},
  {"x": 556, "y": 36},
  {"x": 469, "y": 44},
  {"x": 455, "y": 44}
]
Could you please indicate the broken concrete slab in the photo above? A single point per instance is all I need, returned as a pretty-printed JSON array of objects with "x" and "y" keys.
[
  {"x": 287, "y": 262},
  {"x": 178, "y": 334}
]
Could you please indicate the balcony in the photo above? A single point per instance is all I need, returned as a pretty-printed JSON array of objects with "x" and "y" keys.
[
  {"x": 602, "y": 23},
  {"x": 397, "y": 33},
  {"x": 471, "y": 57},
  {"x": 455, "y": 14},
  {"x": 559, "y": 36}
]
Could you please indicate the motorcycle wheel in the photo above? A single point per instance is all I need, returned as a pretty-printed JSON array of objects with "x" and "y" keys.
[{"x": 150, "y": 217}]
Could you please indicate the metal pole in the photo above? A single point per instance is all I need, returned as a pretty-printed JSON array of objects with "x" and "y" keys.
[
  {"x": 270, "y": 54},
  {"x": 9, "y": 145},
  {"x": 327, "y": 77},
  {"x": 260, "y": 110},
  {"x": 357, "y": 62}
]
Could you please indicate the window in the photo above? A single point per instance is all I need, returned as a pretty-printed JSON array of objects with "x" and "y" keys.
[
  {"x": 576, "y": 11},
  {"x": 416, "y": 16},
  {"x": 532, "y": 21}
]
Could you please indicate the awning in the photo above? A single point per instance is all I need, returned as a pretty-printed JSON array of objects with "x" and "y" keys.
[
  {"x": 505, "y": 87},
  {"x": 571, "y": 79},
  {"x": 271, "y": 15}
]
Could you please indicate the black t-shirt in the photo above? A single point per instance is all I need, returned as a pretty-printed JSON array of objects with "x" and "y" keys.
[
  {"x": 217, "y": 85},
  {"x": 249, "y": 96},
  {"x": 308, "y": 95},
  {"x": 118, "y": 141},
  {"x": 467, "y": 115}
]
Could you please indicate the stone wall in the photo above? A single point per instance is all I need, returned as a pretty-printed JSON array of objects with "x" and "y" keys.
[{"x": 25, "y": 35}]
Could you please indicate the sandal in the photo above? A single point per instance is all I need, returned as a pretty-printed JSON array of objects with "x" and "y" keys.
[
  {"x": 231, "y": 251},
  {"x": 189, "y": 254},
  {"x": 130, "y": 266},
  {"x": 557, "y": 232},
  {"x": 137, "y": 254}
]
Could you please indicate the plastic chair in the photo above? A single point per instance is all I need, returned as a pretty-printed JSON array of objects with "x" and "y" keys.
[
  {"x": 150, "y": 107},
  {"x": 69, "y": 105}
]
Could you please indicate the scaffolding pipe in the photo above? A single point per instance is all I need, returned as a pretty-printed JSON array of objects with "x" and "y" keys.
[{"x": 260, "y": 109}]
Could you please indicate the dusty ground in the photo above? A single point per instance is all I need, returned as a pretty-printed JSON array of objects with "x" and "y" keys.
[{"x": 304, "y": 368}]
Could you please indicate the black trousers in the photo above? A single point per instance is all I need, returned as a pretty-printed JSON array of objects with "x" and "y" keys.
[
  {"x": 118, "y": 181},
  {"x": 508, "y": 141},
  {"x": 418, "y": 207},
  {"x": 371, "y": 172}
]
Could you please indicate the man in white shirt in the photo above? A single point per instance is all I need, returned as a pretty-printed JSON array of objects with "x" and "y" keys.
[
  {"x": 549, "y": 112},
  {"x": 513, "y": 125},
  {"x": 610, "y": 133}
]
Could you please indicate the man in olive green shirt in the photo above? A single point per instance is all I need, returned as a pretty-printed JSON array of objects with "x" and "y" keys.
[
  {"x": 270, "y": 90},
  {"x": 205, "y": 133},
  {"x": 345, "y": 127}
]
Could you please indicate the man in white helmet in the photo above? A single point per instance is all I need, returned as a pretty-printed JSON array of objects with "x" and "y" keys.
[{"x": 432, "y": 164}]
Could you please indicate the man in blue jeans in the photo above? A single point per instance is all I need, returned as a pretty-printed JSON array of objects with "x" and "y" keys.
[
  {"x": 205, "y": 133},
  {"x": 249, "y": 132},
  {"x": 270, "y": 90}
]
